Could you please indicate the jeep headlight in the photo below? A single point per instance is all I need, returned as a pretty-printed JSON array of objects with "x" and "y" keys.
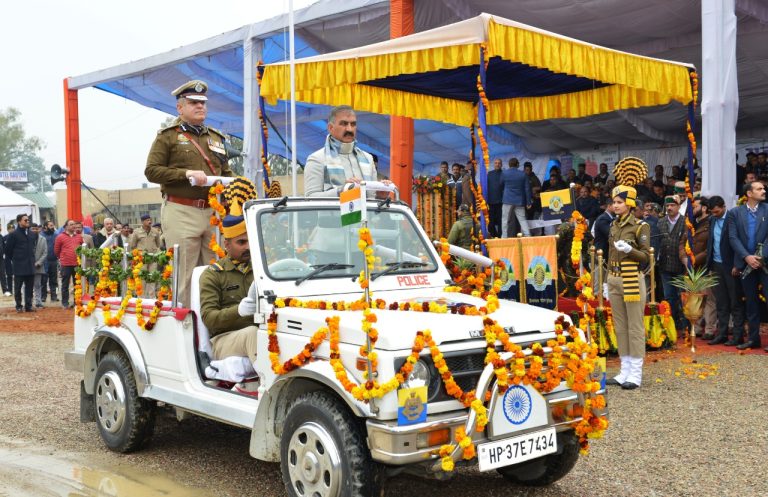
[{"x": 419, "y": 376}]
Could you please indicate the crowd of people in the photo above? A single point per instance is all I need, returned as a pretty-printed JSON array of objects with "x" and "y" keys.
[
  {"x": 38, "y": 262},
  {"x": 729, "y": 243}
]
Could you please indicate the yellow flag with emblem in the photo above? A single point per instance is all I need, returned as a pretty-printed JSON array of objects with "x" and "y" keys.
[{"x": 556, "y": 205}]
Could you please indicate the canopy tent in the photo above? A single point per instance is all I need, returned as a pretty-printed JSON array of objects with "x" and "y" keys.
[
  {"x": 13, "y": 204},
  {"x": 670, "y": 29},
  {"x": 531, "y": 75},
  {"x": 484, "y": 70}
]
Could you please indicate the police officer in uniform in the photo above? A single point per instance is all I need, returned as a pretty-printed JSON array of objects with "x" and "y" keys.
[
  {"x": 148, "y": 240},
  {"x": 628, "y": 249},
  {"x": 187, "y": 150},
  {"x": 227, "y": 309},
  {"x": 461, "y": 231}
]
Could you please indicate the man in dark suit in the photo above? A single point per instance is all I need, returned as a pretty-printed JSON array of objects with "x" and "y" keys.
[
  {"x": 601, "y": 229},
  {"x": 727, "y": 293},
  {"x": 747, "y": 231},
  {"x": 20, "y": 248},
  {"x": 495, "y": 195},
  {"x": 517, "y": 196},
  {"x": 587, "y": 205},
  {"x": 582, "y": 177}
]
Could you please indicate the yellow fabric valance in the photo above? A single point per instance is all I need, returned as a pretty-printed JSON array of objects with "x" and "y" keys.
[
  {"x": 328, "y": 74},
  {"x": 589, "y": 61},
  {"x": 417, "y": 106},
  {"x": 572, "y": 105},
  {"x": 393, "y": 102}
]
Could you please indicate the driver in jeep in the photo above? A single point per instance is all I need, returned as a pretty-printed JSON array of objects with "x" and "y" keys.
[{"x": 225, "y": 305}]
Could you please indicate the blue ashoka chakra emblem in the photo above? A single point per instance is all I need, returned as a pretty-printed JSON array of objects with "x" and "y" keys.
[{"x": 517, "y": 405}]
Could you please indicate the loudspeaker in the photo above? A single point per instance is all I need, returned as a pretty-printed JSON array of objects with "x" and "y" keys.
[{"x": 58, "y": 173}]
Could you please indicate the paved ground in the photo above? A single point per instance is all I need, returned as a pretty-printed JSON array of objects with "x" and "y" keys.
[{"x": 693, "y": 429}]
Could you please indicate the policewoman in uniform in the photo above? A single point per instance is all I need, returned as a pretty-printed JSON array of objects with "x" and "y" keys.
[
  {"x": 628, "y": 248},
  {"x": 187, "y": 149}
]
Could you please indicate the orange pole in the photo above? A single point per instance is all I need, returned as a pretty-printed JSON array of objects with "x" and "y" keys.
[
  {"x": 401, "y": 128},
  {"x": 72, "y": 138}
]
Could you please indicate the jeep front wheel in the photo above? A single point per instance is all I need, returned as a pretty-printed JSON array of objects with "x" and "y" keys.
[
  {"x": 547, "y": 469},
  {"x": 125, "y": 420},
  {"x": 323, "y": 451}
]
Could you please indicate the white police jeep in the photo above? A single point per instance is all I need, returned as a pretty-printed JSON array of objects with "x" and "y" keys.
[{"x": 329, "y": 442}]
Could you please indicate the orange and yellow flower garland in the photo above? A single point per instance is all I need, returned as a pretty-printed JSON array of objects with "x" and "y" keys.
[
  {"x": 106, "y": 287},
  {"x": 219, "y": 211},
  {"x": 579, "y": 229}
]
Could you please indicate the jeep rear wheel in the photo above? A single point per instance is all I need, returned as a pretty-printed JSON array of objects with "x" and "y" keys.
[
  {"x": 323, "y": 451},
  {"x": 125, "y": 420},
  {"x": 547, "y": 469}
]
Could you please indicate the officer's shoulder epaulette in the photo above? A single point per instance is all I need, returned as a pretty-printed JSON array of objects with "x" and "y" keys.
[
  {"x": 217, "y": 132},
  {"x": 167, "y": 128},
  {"x": 216, "y": 267},
  {"x": 173, "y": 125}
]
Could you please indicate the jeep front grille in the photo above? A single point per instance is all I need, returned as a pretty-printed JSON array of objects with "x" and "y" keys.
[{"x": 466, "y": 367}]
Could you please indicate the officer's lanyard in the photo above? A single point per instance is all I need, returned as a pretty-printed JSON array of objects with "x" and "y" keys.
[{"x": 200, "y": 149}]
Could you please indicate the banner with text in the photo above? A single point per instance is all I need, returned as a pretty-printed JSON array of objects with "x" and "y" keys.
[
  {"x": 507, "y": 250},
  {"x": 539, "y": 255}
]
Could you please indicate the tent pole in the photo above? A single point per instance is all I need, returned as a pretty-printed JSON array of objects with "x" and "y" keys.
[
  {"x": 401, "y": 23},
  {"x": 252, "y": 49},
  {"x": 72, "y": 143},
  {"x": 291, "y": 40}
]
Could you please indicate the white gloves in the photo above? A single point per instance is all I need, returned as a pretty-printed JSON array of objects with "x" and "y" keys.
[
  {"x": 247, "y": 307},
  {"x": 250, "y": 304},
  {"x": 605, "y": 290},
  {"x": 622, "y": 246}
]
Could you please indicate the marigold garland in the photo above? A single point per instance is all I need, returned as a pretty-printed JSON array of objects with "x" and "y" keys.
[
  {"x": 579, "y": 229},
  {"x": 107, "y": 287}
]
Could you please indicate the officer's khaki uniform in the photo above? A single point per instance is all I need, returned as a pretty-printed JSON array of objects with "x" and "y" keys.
[
  {"x": 628, "y": 316},
  {"x": 149, "y": 242},
  {"x": 171, "y": 155},
  {"x": 461, "y": 231},
  {"x": 222, "y": 287}
]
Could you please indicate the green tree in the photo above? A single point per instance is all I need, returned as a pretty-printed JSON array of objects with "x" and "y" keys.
[{"x": 19, "y": 152}]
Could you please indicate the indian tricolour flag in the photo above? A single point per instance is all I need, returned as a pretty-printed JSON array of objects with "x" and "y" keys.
[{"x": 352, "y": 203}]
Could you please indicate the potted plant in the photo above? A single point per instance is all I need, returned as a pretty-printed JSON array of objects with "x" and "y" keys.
[{"x": 693, "y": 283}]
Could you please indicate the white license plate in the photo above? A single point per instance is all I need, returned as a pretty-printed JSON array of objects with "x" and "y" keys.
[{"x": 515, "y": 450}]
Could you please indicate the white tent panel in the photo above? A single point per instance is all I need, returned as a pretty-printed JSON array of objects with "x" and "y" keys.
[{"x": 12, "y": 204}]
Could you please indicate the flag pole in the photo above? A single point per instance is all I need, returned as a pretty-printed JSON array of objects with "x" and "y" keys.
[{"x": 367, "y": 292}]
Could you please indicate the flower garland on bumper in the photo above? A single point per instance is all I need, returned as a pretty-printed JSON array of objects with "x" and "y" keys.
[{"x": 571, "y": 361}]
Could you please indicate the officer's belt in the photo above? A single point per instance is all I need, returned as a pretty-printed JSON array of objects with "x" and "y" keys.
[{"x": 199, "y": 203}]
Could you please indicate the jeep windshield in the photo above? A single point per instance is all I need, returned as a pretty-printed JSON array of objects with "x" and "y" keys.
[{"x": 295, "y": 243}]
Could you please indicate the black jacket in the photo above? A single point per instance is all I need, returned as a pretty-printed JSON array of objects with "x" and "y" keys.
[
  {"x": 589, "y": 207},
  {"x": 602, "y": 229},
  {"x": 726, "y": 252},
  {"x": 495, "y": 187},
  {"x": 20, "y": 248}
]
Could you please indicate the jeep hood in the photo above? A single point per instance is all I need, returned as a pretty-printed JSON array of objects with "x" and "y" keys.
[{"x": 398, "y": 328}]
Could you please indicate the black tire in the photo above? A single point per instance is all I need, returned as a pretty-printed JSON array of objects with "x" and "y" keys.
[
  {"x": 125, "y": 420},
  {"x": 319, "y": 429},
  {"x": 548, "y": 469}
]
